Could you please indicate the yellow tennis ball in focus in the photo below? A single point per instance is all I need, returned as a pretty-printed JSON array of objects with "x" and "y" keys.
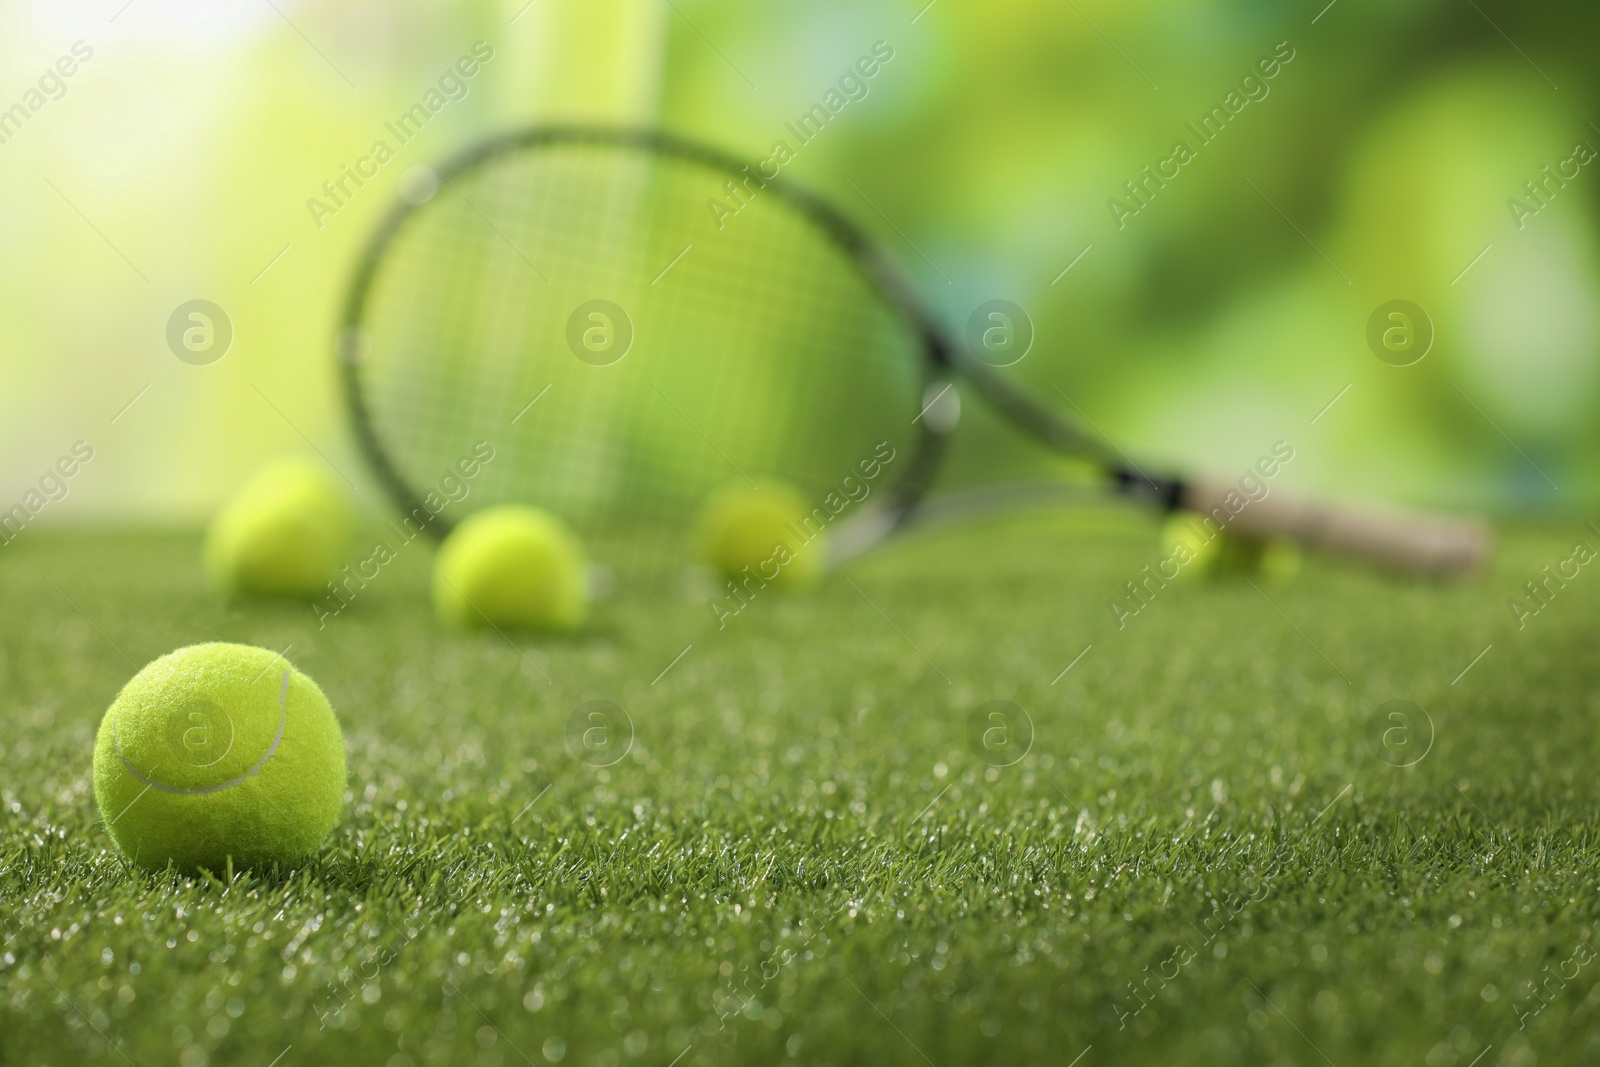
[
  {"x": 764, "y": 529},
  {"x": 512, "y": 566},
  {"x": 285, "y": 533},
  {"x": 218, "y": 754}
]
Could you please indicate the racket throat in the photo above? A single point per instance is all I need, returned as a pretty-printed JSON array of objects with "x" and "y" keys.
[{"x": 1169, "y": 494}]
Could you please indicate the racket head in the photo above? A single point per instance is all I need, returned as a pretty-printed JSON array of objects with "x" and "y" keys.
[{"x": 627, "y": 322}]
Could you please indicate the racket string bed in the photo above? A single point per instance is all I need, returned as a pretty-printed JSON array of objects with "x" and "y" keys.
[{"x": 761, "y": 348}]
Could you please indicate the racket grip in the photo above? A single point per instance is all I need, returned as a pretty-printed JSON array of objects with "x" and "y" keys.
[{"x": 1407, "y": 540}]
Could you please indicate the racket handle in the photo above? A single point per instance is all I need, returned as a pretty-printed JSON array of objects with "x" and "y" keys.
[{"x": 1413, "y": 541}]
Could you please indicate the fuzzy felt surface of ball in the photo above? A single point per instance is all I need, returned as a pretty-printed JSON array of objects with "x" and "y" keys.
[{"x": 216, "y": 756}]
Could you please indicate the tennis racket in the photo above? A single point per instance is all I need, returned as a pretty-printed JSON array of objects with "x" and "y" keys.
[{"x": 626, "y": 322}]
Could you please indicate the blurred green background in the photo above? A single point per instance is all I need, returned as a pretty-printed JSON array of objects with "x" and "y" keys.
[{"x": 176, "y": 161}]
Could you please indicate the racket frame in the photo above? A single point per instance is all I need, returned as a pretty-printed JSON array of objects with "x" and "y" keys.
[{"x": 881, "y": 272}]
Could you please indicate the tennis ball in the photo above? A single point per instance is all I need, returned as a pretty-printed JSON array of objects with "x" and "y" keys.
[
  {"x": 512, "y": 566},
  {"x": 285, "y": 533},
  {"x": 219, "y": 752},
  {"x": 1201, "y": 550},
  {"x": 762, "y": 529}
]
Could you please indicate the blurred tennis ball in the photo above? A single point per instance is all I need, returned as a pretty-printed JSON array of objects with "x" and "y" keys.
[
  {"x": 218, "y": 754},
  {"x": 512, "y": 566},
  {"x": 286, "y": 533},
  {"x": 1212, "y": 552},
  {"x": 1196, "y": 548},
  {"x": 763, "y": 529}
]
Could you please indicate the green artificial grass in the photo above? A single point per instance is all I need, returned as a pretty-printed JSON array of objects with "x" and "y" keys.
[{"x": 1206, "y": 857}]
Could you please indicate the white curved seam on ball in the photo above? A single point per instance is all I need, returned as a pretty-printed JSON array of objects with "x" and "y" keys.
[{"x": 201, "y": 790}]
